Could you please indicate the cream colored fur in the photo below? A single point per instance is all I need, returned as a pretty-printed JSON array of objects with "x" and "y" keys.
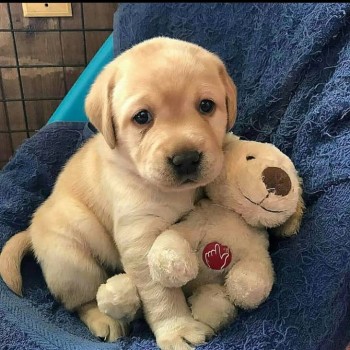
[
  {"x": 118, "y": 192},
  {"x": 230, "y": 218}
]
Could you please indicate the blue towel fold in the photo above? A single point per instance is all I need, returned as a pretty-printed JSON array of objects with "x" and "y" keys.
[{"x": 291, "y": 66}]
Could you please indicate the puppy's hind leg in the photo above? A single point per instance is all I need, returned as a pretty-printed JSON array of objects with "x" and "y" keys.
[{"x": 73, "y": 276}]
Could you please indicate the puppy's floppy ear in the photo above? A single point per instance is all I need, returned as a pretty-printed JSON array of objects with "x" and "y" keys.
[
  {"x": 231, "y": 97},
  {"x": 292, "y": 225},
  {"x": 98, "y": 104}
]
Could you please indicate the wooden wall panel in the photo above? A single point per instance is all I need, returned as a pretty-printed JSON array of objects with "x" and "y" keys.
[
  {"x": 4, "y": 17},
  {"x": 51, "y": 55},
  {"x": 3, "y": 122},
  {"x": 73, "y": 48},
  {"x": 97, "y": 15},
  {"x": 94, "y": 40},
  {"x": 16, "y": 115},
  {"x": 45, "y": 82},
  {"x": 11, "y": 85},
  {"x": 39, "y": 112},
  {"x": 38, "y": 48},
  {"x": 7, "y": 49}
]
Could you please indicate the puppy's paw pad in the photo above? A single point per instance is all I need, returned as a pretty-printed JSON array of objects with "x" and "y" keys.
[
  {"x": 107, "y": 329},
  {"x": 184, "y": 335}
]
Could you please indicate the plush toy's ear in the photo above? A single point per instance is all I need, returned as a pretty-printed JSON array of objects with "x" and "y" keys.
[
  {"x": 98, "y": 104},
  {"x": 231, "y": 97},
  {"x": 292, "y": 225}
]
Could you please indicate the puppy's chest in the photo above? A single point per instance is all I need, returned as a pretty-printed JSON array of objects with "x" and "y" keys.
[{"x": 167, "y": 208}]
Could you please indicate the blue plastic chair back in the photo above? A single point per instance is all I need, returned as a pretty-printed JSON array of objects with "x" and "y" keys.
[{"x": 71, "y": 109}]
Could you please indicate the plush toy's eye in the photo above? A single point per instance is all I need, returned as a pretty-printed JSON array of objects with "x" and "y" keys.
[{"x": 250, "y": 157}]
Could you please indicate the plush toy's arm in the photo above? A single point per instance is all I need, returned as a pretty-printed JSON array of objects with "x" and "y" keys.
[{"x": 250, "y": 281}]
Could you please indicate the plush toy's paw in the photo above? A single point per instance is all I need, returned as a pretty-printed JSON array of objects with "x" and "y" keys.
[
  {"x": 118, "y": 298},
  {"x": 182, "y": 334},
  {"x": 248, "y": 287},
  {"x": 210, "y": 305},
  {"x": 173, "y": 268}
]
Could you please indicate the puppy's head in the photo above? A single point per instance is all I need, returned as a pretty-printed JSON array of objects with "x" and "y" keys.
[{"x": 165, "y": 105}]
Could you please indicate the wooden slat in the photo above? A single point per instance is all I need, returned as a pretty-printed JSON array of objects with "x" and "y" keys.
[
  {"x": 4, "y": 16},
  {"x": 16, "y": 115},
  {"x": 18, "y": 138},
  {"x": 7, "y": 50},
  {"x": 38, "y": 48},
  {"x": 94, "y": 41},
  {"x": 39, "y": 112},
  {"x": 72, "y": 74},
  {"x": 3, "y": 123},
  {"x": 42, "y": 82},
  {"x": 73, "y": 47},
  {"x": 99, "y": 15},
  {"x": 10, "y": 83},
  {"x": 75, "y": 21},
  {"x": 5, "y": 149}
]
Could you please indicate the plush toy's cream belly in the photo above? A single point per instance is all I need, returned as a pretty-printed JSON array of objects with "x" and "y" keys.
[{"x": 224, "y": 238}]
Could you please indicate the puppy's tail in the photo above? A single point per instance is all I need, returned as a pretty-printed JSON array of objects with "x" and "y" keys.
[{"x": 10, "y": 260}]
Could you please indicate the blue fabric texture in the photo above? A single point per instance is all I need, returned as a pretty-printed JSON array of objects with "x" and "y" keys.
[{"x": 291, "y": 65}]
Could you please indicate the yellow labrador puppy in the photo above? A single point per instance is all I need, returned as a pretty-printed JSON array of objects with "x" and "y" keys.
[{"x": 162, "y": 109}]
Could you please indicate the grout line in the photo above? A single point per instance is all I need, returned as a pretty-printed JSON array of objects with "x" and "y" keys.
[
  {"x": 84, "y": 30},
  {"x": 62, "y": 60},
  {"x": 18, "y": 69},
  {"x": 31, "y": 99},
  {"x": 45, "y": 66},
  {"x": 56, "y": 30}
]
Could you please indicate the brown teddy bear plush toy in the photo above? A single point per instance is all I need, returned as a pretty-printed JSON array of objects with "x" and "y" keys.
[{"x": 221, "y": 260}]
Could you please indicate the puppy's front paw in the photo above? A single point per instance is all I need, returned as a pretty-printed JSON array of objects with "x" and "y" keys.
[
  {"x": 107, "y": 329},
  {"x": 182, "y": 334},
  {"x": 172, "y": 268},
  {"x": 118, "y": 298}
]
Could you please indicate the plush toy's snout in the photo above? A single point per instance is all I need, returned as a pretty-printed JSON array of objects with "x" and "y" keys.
[{"x": 277, "y": 181}]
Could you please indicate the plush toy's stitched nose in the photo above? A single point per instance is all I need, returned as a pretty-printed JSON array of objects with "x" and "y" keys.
[{"x": 276, "y": 180}]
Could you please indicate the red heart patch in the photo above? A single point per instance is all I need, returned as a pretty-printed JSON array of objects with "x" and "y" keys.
[{"x": 216, "y": 256}]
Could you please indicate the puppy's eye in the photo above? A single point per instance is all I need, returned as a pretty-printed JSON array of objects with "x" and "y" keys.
[
  {"x": 249, "y": 157},
  {"x": 143, "y": 117},
  {"x": 206, "y": 106}
]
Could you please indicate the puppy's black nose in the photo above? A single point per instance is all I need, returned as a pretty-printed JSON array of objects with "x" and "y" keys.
[
  {"x": 186, "y": 163},
  {"x": 277, "y": 181}
]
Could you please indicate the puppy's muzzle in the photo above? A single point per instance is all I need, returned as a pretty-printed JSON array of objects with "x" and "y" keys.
[{"x": 186, "y": 164}]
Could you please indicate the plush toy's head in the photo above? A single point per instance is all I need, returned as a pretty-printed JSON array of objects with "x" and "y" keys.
[{"x": 260, "y": 183}]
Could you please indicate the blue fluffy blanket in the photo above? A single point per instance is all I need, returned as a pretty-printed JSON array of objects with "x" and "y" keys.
[{"x": 291, "y": 64}]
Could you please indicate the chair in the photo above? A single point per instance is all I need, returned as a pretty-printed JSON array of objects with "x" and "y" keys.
[{"x": 290, "y": 64}]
